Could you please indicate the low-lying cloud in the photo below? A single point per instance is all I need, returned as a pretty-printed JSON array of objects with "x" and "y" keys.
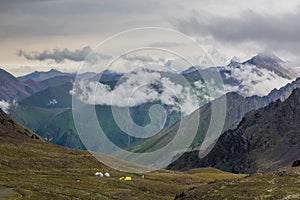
[
  {"x": 138, "y": 87},
  {"x": 59, "y": 56},
  {"x": 4, "y": 106},
  {"x": 254, "y": 80}
]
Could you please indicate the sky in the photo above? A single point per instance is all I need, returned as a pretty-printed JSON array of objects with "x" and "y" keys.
[{"x": 60, "y": 34}]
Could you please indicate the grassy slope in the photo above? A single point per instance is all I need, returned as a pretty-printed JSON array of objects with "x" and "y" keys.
[
  {"x": 281, "y": 184},
  {"x": 39, "y": 170},
  {"x": 56, "y": 123},
  {"x": 32, "y": 168},
  {"x": 34, "y": 116}
]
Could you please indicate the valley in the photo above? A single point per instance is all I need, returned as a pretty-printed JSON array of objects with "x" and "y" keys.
[{"x": 249, "y": 156}]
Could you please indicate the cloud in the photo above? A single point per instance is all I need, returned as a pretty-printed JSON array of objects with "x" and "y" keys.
[
  {"x": 254, "y": 80},
  {"x": 4, "y": 106},
  {"x": 143, "y": 58},
  {"x": 39, "y": 18},
  {"x": 84, "y": 54},
  {"x": 165, "y": 44},
  {"x": 278, "y": 31},
  {"x": 138, "y": 87}
]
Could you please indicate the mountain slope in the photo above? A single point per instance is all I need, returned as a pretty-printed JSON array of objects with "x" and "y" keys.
[
  {"x": 12, "y": 132},
  {"x": 56, "y": 81},
  {"x": 31, "y": 168},
  {"x": 52, "y": 97},
  {"x": 280, "y": 184},
  {"x": 256, "y": 76},
  {"x": 11, "y": 89},
  {"x": 237, "y": 107},
  {"x": 265, "y": 139}
]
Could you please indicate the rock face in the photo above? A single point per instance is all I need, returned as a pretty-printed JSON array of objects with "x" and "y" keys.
[
  {"x": 296, "y": 163},
  {"x": 265, "y": 139}
]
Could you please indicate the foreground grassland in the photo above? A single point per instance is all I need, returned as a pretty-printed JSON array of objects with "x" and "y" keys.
[
  {"x": 39, "y": 170},
  {"x": 281, "y": 184},
  {"x": 35, "y": 169}
]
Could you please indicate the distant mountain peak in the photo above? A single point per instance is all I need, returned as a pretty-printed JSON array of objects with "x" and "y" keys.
[
  {"x": 266, "y": 57},
  {"x": 268, "y": 54},
  {"x": 43, "y": 75},
  {"x": 272, "y": 63}
]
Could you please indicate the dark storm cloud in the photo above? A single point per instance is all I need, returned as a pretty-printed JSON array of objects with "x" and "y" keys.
[
  {"x": 86, "y": 53},
  {"x": 273, "y": 31}
]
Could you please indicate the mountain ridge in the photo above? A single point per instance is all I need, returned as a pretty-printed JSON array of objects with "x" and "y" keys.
[
  {"x": 266, "y": 139},
  {"x": 12, "y": 89}
]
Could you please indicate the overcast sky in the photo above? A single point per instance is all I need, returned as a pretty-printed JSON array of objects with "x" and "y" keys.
[{"x": 39, "y": 35}]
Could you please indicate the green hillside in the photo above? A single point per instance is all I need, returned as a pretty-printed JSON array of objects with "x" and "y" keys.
[
  {"x": 57, "y": 125},
  {"x": 31, "y": 168},
  {"x": 43, "y": 98}
]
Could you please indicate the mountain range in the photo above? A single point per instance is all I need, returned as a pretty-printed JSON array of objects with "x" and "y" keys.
[
  {"x": 236, "y": 107},
  {"x": 41, "y": 76},
  {"x": 264, "y": 140},
  {"x": 52, "y": 90}
]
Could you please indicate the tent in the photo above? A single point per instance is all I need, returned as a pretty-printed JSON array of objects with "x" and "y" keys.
[
  {"x": 99, "y": 174},
  {"x": 125, "y": 178}
]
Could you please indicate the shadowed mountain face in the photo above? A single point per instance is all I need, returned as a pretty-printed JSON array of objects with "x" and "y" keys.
[
  {"x": 265, "y": 139},
  {"x": 12, "y": 89}
]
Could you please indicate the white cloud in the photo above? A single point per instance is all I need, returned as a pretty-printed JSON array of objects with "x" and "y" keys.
[
  {"x": 254, "y": 80},
  {"x": 135, "y": 88},
  {"x": 4, "y": 106}
]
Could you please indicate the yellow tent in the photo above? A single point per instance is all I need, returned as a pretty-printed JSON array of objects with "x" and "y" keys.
[{"x": 126, "y": 178}]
